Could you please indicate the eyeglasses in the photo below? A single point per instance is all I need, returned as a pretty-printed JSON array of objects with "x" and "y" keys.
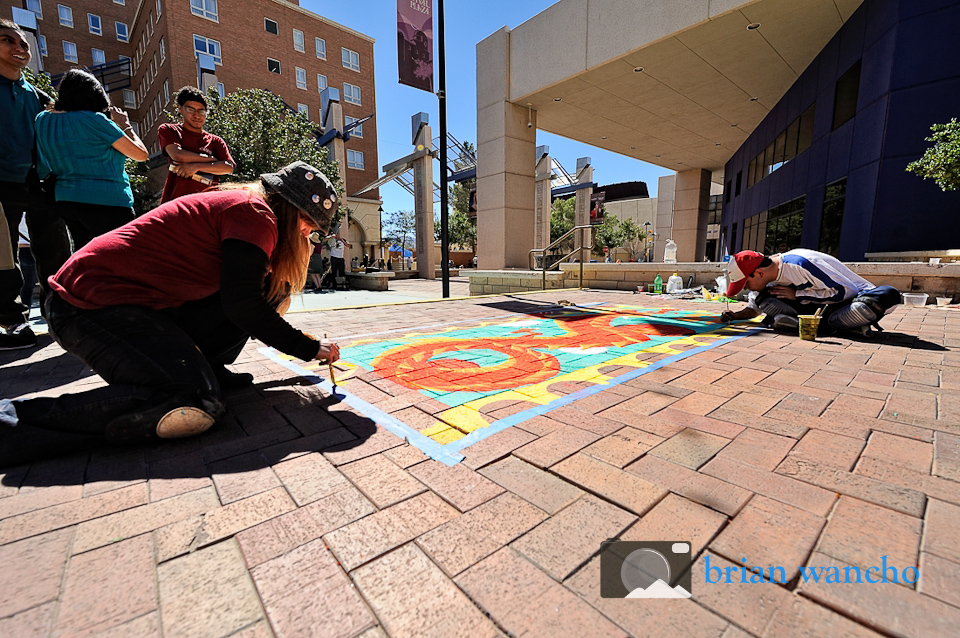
[{"x": 193, "y": 111}]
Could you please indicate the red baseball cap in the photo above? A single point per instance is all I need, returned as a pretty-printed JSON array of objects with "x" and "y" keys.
[{"x": 741, "y": 266}]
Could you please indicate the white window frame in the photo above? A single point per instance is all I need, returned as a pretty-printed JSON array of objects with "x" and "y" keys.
[
  {"x": 279, "y": 70},
  {"x": 201, "y": 9},
  {"x": 42, "y": 44},
  {"x": 67, "y": 57},
  {"x": 36, "y": 9},
  {"x": 65, "y": 21},
  {"x": 218, "y": 59},
  {"x": 352, "y": 159},
  {"x": 163, "y": 51},
  {"x": 120, "y": 2},
  {"x": 95, "y": 30},
  {"x": 304, "y": 109},
  {"x": 350, "y": 59},
  {"x": 166, "y": 92},
  {"x": 221, "y": 90},
  {"x": 301, "y": 76},
  {"x": 321, "y": 45},
  {"x": 126, "y": 31},
  {"x": 298, "y": 45},
  {"x": 357, "y": 130},
  {"x": 136, "y": 128},
  {"x": 348, "y": 95},
  {"x": 130, "y": 99},
  {"x": 159, "y": 8},
  {"x": 150, "y": 25},
  {"x": 103, "y": 56},
  {"x": 325, "y": 84}
]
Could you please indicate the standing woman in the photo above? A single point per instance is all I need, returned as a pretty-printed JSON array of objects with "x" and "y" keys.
[
  {"x": 85, "y": 142},
  {"x": 160, "y": 305}
]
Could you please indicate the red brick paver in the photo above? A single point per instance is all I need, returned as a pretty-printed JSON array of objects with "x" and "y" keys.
[{"x": 299, "y": 516}]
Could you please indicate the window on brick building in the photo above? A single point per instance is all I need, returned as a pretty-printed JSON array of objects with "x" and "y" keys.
[
  {"x": 355, "y": 159},
  {"x": 66, "y": 15},
  {"x": 273, "y": 66},
  {"x": 136, "y": 128},
  {"x": 69, "y": 51},
  {"x": 42, "y": 43},
  {"x": 321, "y": 48},
  {"x": 357, "y": 130},
  {"x": 304, "y": 109},
  {"x": 351, "y": 93},
  {"x": 34, "y": 5},
  {"x": 129, "y": 99},
  {"x": 298, "y": 40},
  {"x": 208, "y": 46},
  {"x": 220, "y": 89},
  {"x": 163, "y": 51},
  {"x": 120, "y": 2},
  {"x": 93, "y": 23},
  {"x": 98, "y": 56},
  {"x": 301, "y": 77},
  {"x": 321, "y": 82},
  {"x": 123, "y": 31},
  {"x": 271, "y": 26},
  {"x": 159, "y": 8},
  {"x": 351, "y": 59},
  {"x": 205, "y": 9},
  {"x": 150, "y": 26}
]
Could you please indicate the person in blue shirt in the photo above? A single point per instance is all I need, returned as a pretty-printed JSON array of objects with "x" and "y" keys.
[
  {"x": 21, "y": 192},
  {"x": 85, "y": 142}
]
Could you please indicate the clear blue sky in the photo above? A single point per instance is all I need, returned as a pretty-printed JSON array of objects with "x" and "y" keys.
[{"x": 467, "y": 23}]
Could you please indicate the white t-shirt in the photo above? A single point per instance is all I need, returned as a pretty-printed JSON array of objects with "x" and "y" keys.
[
  {"x": 336, "y": 247},
  {"x": 817, "y": 278}
]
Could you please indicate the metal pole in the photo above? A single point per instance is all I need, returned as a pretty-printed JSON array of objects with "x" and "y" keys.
[{"x": 442, "y": 95}]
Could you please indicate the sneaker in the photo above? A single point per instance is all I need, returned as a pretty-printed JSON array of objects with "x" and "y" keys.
[
  {"x": 18, "y": 337},
  {"x": 785, "y": 323},
  {"x": 229, "y": 380},
  {"x": 182, "y": 422}
]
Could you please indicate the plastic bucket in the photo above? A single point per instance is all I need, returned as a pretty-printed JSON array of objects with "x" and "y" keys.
[
  {"x": 944, "y": 301},
  {"x": 640, "y": 288},
  {"x": 808, "y": 327}
]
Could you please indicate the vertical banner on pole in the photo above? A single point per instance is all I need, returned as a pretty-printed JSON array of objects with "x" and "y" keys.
[{"x": 415, "y": 43}]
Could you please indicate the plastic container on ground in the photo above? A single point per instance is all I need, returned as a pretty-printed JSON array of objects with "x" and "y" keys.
[
  {"x": 674, "y": 283},
  {"x": 944, "y": 301},
  {"x": 915, "y": 298},
  {"x": 658, "y": 284},
  {"x": 670, "y": 252}
]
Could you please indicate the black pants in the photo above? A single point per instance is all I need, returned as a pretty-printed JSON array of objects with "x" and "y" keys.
[
  {"x": 87, "y": 221},
  {"x": 153, "y": 360},
  {"x": 338, "y": 266},
  {"x": 49, "y": 244}
]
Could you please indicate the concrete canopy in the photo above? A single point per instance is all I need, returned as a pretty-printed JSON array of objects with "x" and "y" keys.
[{"x": 679, "y": 83}]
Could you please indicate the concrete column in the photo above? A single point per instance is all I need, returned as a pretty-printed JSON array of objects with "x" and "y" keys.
[
  {"x": 541, "y": 206},
  {"x": 582, "y": 205},
  {"x": 423, "y": 203},
  {"x": 666, "y": 186},
  {"x": 506, "y": 161},
  {"x": 332, "y": 118},
  {"x": 692, "y": 196}
]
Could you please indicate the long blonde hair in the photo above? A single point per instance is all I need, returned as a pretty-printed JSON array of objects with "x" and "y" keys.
[{"x": 291, "y": 257}]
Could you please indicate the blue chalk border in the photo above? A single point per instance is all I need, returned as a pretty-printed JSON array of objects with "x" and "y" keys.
[{"x": 449, "y": 454}]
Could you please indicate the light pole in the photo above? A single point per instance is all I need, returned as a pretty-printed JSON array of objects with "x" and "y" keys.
[
  {"x": 380, "y": 213},
  {"x": 646, "y": 238}
]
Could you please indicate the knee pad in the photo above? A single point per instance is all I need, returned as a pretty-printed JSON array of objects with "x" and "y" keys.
[{"x": 857, "y": 314}]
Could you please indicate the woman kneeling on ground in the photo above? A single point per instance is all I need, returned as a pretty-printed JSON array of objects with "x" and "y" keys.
[{"x": 158, "y": 306}]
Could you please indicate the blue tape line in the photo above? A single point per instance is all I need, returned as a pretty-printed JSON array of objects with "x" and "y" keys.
[
  {"x": 515, "y": 419},
  {"x": 443, "y": 453}
]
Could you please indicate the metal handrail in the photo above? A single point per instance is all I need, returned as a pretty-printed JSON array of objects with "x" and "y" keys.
[{"x": 543, "y": 254}]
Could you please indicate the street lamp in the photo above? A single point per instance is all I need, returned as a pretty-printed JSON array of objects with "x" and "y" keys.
[
  {"x": 380, "y": 213},
  {"x": 646, "y": 238}
]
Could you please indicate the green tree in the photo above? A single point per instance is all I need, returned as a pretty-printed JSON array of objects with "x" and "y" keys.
[
  {"x": 401, "y": 225},
  {"x": 614, "y": 233},
  {"x": 563, "y": 212},
  {"x": 635, "y": 240},
  {"x": 941, "y": 162}
]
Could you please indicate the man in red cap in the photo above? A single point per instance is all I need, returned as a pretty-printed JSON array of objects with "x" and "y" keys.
[{"x": 801, "y": 281}]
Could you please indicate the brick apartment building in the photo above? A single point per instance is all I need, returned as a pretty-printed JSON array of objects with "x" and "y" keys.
[{"x": 269, "y": 44}]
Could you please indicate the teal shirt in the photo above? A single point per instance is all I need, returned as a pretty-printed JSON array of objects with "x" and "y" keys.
[
  {"x": 78, "y": 148},
  {"x": 19, "y": 105}
]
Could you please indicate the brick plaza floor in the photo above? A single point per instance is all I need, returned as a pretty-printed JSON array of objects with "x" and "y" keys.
[{"x": 298, "y": 515}]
